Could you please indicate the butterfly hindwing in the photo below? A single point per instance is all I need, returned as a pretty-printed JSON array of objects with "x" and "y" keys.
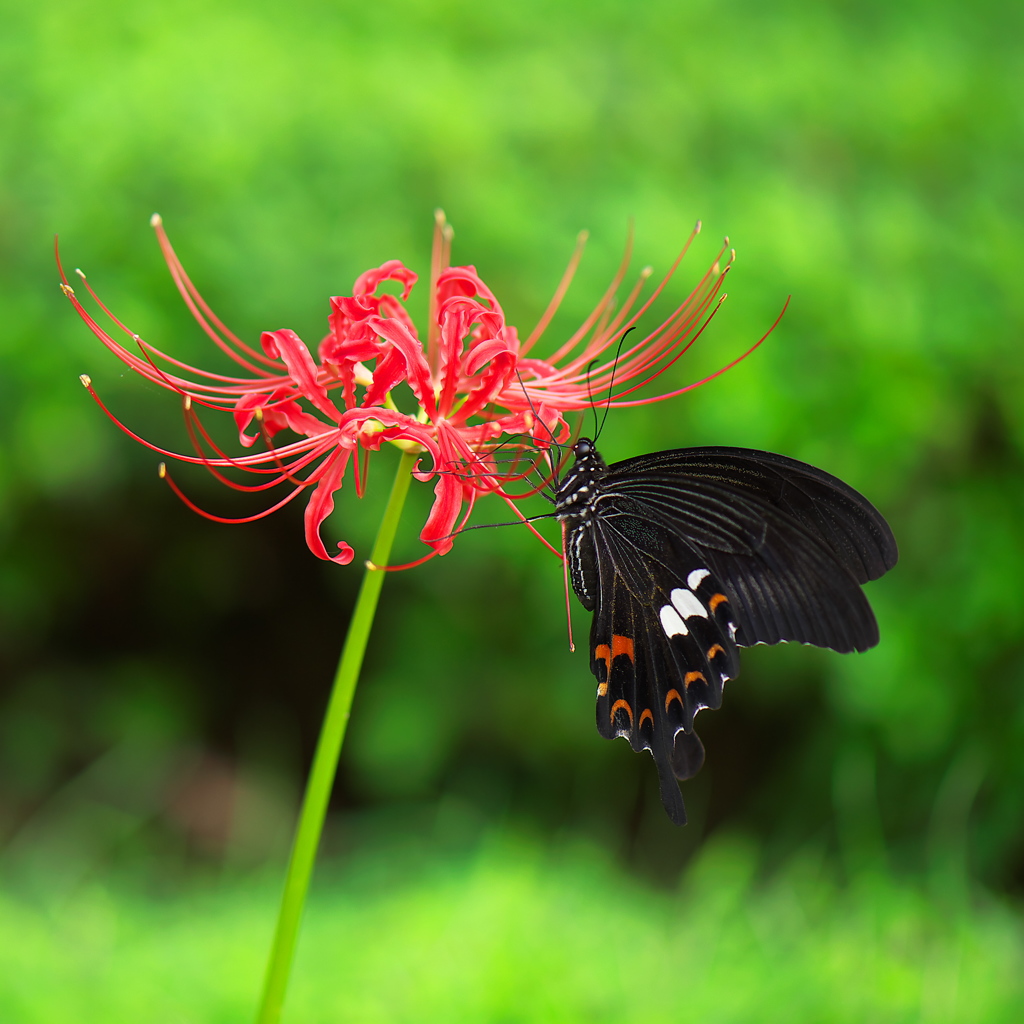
[{"x": 661, "y": 647}]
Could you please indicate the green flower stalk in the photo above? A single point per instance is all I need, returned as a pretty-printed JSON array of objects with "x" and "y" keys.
[{"x": 328, "y": 750}]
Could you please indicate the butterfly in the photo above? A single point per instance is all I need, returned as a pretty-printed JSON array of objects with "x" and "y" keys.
[{"x": 686, "y": 556}]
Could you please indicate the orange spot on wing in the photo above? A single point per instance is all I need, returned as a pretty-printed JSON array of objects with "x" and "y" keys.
[
  {"x": 622, "y": 645},
  {"x": 715, "y": 649},
  {"x": 646, "y": 716},
  {"x": 671, "y": 696},
  {"x": 716, "y": 600},
  {"x": 692, "y": 677},
  {"x": 615, "y": 707},
  {"x": 607, "y": 654}
]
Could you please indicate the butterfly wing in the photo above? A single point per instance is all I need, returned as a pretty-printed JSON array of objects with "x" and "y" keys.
[
  {"x": 661, "y": 643},
  {"x": 789, "y": 543},
  {"x": 692, "y": 553}
]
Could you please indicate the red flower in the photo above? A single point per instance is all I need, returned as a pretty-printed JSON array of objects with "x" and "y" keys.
[{"x": 475, "y": 384}]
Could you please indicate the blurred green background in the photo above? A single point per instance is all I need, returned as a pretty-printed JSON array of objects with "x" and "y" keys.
[{"x": 856, "y": 844}]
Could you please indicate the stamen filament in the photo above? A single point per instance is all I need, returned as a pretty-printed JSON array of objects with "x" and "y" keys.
[{"x": 205, "y": 316}]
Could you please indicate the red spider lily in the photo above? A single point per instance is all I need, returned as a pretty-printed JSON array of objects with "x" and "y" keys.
[{"x": 474, "y": 383}]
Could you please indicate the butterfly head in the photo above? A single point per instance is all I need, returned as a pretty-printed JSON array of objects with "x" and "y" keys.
[{"x": 581, "y": 484}]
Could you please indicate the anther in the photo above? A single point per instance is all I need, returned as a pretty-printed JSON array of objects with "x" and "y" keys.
[
  {"x": 187, "y": 402},
  {"x": 85, "y": 379},
  {"x": 162, "y": 470},
  {"x": 156, "y": 220},
  {"x": 80, "y": 272},
  {"x": 67, "y": 290}
]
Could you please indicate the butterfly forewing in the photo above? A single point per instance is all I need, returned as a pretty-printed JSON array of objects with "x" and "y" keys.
[
  {"x": 790, "y": 543},
  {"x": 683, "y": 556},
  {"x": 844, "y": 520}
]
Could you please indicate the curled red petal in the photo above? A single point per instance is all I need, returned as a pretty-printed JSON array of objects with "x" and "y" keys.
[
  {"x": 391, "y": 369},
  {"x": 245, "y": 411},
  {"x": 286, "y": 345},
  {"x": 354, "y": 309},
  {"x": 505, "y": 342},
  {"x": 279, "y": 412},
  {"x": 351, "y": 339},
  {"x": 454, "y": 319},
  {"x": 391, "y": 270},
  {"x": 489, "y": 383},
  {"x": 448, "y": 496},
  {"x": 464, "y": 281},
  {"x": 321, "y": 505},
  {"x": 398, "y": 335},
  {"x": 292, "y": 416}
]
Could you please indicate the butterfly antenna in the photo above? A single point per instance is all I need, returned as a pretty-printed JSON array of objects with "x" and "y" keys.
[{"x": 611, "y": 384}]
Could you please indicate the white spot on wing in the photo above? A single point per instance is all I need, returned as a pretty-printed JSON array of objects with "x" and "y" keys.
[
  {"x": 671, "y": 622},
  {"x": 686, "y": 604},
  {"x": 694, "y": 580}
]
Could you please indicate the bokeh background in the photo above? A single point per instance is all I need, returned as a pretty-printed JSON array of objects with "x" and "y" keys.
[{"x": 856, "y": 844}]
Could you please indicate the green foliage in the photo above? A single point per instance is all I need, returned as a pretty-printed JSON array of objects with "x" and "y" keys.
[{"x": 511, "y": 930}]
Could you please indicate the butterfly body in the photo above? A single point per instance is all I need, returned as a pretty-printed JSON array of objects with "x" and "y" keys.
[{"x": 684, "y": 557}]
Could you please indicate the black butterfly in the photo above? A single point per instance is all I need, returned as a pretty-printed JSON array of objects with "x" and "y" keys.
[{"x": 684, "y": 557}]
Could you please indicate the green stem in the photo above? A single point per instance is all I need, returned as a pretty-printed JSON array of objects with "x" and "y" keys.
[{"x": 325, "y": 760}]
